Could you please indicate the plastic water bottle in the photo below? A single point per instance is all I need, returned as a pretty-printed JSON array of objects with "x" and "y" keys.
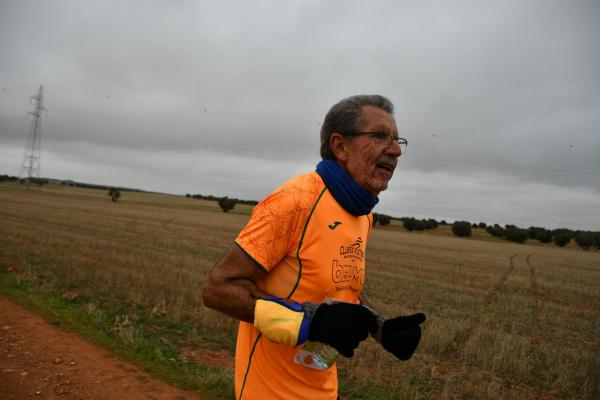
[{"x": 316, "y": 355}]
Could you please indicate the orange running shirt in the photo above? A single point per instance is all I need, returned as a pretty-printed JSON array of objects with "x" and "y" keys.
[{"x": 313, "y": 249}]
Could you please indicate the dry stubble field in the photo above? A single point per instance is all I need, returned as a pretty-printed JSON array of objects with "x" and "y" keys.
[{"x": 504, "y": 320}]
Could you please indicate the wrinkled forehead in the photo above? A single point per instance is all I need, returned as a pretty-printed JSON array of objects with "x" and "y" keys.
[{"x": 376, "y": 119}]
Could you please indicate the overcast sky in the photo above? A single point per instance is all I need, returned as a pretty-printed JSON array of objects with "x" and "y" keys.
[{"x": 499, "y": 100}]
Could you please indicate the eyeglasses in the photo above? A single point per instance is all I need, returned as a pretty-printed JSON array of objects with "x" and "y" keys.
[{"x": 383, "y": 140}]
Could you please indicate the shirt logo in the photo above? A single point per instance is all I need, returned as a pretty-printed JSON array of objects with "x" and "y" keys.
[
  {"x": 353, "y": 251},
  {"x": 334, "y": 225},
  {"x": 347, "y": 273}
]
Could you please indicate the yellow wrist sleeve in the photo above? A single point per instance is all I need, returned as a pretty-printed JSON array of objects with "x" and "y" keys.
[{"x": 277, "y": 322}]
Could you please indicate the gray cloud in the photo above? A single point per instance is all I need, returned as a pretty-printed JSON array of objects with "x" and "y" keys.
[{"x": 228, "y": 98}]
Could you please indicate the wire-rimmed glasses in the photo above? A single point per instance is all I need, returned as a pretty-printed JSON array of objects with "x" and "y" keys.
[{"x": 383, "y": 140}]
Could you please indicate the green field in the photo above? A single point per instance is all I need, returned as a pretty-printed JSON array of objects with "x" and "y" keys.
[{"x": 504, "y": 321}]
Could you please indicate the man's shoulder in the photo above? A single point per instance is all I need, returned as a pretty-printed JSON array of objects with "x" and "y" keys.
[
  {"x": 299, "y": 192},
  {"x": 309, "y": 183}
]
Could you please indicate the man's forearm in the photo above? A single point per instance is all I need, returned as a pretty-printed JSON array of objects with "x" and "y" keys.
[
  {"x": 236, "y": 298},
  {"x": 231, "y": 286}
]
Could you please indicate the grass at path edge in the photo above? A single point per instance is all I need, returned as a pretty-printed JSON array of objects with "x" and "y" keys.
[{"x": 147, "y": 351}]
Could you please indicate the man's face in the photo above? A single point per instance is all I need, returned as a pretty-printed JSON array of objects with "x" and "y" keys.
[{"x": 369, "y": 165}]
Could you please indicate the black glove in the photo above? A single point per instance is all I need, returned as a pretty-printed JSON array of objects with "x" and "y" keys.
[
  {"x": 342, "y": 326},
  {"x": 400, "y": 336}
]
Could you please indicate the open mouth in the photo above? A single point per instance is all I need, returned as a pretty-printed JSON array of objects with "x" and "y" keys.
[{"x": 388, "y": 168}]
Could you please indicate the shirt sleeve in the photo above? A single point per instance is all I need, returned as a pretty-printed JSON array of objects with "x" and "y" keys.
[
  {"x": 275, "y": 226},
  {"x": 371, "y": 225}
]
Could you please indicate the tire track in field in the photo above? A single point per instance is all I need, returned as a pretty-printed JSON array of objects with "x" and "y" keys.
[
  {"x": 532, "y": 278},
  {"x": 490, "y": 296},
  {"x": 167, "y": 225},
  {"x": 489, "y": 299}
]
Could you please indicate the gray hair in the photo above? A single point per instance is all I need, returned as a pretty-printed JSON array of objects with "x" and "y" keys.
[{"x": 344, "y": 117}]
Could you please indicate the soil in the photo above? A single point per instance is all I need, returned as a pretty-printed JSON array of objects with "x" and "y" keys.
[
  {"x": 213, "y": 358},
  {"x": 39, "y": 361}
]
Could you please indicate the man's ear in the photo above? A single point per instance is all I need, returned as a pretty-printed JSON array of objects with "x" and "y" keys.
[{"x": 339, "y": 147}]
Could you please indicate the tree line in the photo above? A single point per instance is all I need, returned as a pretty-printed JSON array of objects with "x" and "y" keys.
[
  {"x": 561, "y": 236},
  {"x": 225, "y": 202},
  {"x": 34, "y": 180}
]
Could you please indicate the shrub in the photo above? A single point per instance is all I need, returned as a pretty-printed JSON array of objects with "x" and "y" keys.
[
  {"x": 413, "y": 224},
  {"x": 495, "y": 230},
  {"x": 596, "y": 238},
  {"x": 226, "y": 203},
  {"x": 8, "y": 178},
  {"x": 585, "y": 240},
  {"x": 474, "y": 225},
  {"x": 409, "y": 223},
  {"x": 544, "y": 236},
  {"x": 516, "y": 235},
  {"x": 482, "y": 225},
  {"x": 533, "y": 231},
  {"x": 563, "y": 230},
  {"x": 115, "y": 195},
  {"x": 562, "y": 238},
  {"x": 432, "y": 224},
  {"x": 421, "y": 225},
  {"x": 427, "y": 224},
  {"x": 384, "y": 219},
  {"x": 461, "y": 228}
]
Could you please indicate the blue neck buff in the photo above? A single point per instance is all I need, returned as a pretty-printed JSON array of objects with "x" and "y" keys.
[{"x": 353, "y": 198}]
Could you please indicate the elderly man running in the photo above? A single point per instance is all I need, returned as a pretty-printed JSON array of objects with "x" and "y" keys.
[{"x": 305, "y": 244}]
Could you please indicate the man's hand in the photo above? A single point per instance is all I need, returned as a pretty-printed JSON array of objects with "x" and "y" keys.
[
  {"x": 400, "y": 336},
  {"x": 342, "y": 326}
]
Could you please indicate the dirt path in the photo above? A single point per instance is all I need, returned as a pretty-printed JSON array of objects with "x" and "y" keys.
[{"x": 39, "y": 361}]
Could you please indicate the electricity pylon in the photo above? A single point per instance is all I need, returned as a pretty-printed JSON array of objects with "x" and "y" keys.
[{"x": 31, "y": 158}]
